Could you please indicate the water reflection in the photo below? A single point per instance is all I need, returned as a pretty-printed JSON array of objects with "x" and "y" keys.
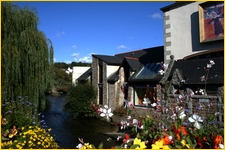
[{"x": 67, "y": 130}]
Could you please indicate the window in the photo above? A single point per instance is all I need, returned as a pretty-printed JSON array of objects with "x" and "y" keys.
[{"x": 144, "y": 95}]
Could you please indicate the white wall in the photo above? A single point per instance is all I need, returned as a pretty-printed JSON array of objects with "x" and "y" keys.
[
  {"x": 181, "y": 32},
  {"x": 77, "y": 72},
  {"x": 111, "y": 69}
]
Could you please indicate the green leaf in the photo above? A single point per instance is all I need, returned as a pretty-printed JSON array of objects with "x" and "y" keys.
[
  {"x": 178, "y": 146},
  {"x": 100, "y": 146},
  {"x": 4, "y": 139},
  {"x": 134, "y": 146}
]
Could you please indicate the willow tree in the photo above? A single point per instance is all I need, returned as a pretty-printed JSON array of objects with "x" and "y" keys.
[{"x": 27, "y": 56}]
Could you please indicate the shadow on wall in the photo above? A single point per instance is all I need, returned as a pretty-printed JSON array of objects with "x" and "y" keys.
[{"x": 195, "y": 37}]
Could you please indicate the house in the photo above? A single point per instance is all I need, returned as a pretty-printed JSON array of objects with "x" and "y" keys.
[
  {"x": 182, "y": 30},
  {"x": 120, "y": 76},
  {"x": 134, "y": 76},
  {"x": 190, "y": 42},
  {"x": 77, "y": 72}
]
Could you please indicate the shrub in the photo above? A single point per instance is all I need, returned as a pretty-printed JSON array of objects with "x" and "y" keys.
[
  {"x": 78, "y": 100},
  {"x": 120, "y": 111}
]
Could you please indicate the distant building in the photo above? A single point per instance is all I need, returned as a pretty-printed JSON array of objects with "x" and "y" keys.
[
  {"x": 77, "y": 72},
  {"x": 69, "y": 70}
]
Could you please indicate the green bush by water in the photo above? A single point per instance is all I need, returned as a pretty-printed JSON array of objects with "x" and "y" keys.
[{"x": 78, "y": 100}]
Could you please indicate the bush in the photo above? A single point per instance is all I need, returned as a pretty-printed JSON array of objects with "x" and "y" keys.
[
  {"x": 78, "y": 100},
  {"x": 120, "y": 111}
]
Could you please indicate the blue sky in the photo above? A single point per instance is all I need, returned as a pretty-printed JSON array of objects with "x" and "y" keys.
[{"x": 80, "y": 29}]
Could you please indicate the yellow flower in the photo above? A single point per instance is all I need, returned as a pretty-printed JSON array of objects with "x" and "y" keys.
[
  {"x": 159, "y": 145},
  {"x": 39, "y": 143},
  {"x": 141, "y": 144},
  {"x": 87, "y": 146},
  {"x": 22, "y": 128},
  {"x": 183, "y": 142}
]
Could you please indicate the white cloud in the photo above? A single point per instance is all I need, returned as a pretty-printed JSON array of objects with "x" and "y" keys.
[
  {"x": 85, "y": 59},
  {"x": 59, "y": 34},
  {"x": 156, "y": 16},
  {"x": 121, "y": 47},
  {"x": 54, "y": 60},
  {"x": 74, "y": 47},
  {"x": 75, "y": 55},
  {"x": 68, "y": 61}
]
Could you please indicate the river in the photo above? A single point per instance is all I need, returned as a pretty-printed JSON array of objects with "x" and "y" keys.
[{"x": 66, "y": 130}]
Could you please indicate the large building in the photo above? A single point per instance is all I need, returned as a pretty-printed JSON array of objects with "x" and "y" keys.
[
  {"x": 187, "y": 30},
  {"x": 190, "y": 42}
]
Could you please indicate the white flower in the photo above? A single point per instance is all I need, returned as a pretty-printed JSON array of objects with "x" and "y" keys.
[
  {"x": 180, "y": 96},
  {"x": 182, "y": 115},
  {"x": 119, "y": 137},
  {"x": 196, "y": 119},
  {"x": 106, "y": 112},
  {"x": 173, "y": 116},
  {"x": 123, "y": 124},
  {"x": 212, "y": 62},
  {"x": 146, "y": 101},
  {"x": 128, "y": 117},
  {"x": 202, "y": 78},
  {"x": 161, "y": 72},
  {"x": 135, "y": 121},
  {"x": 209, "y": 65},
  {"x": 221, "y": 146},
  {"x": 153, "y": 105},
  {"x": 79, "y": 146},
  {"x": 170, "y": 137},
  {"x": 141, "y": 127}
]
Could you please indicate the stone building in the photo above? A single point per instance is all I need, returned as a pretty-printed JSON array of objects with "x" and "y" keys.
[
  {"x": 123, "y": 76},
  {"x": 182, "y": 31},
  {"x": 190, "y": 38},
  {"x": 134, "y": 76}
]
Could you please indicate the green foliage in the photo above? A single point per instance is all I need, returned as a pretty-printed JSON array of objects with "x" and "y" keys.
[
  {"x": 61, "y": 77},
  {"x": 78, "y": 100},
  {"x": 61, "y": 65},
  {"x": 27, "y": 56},
  {"x": 79, "y": 64}
]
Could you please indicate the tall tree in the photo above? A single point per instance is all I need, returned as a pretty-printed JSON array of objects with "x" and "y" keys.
[{"x": 27, "y": 56}]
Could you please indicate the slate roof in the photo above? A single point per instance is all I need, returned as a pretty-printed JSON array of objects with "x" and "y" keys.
[
  {"x": 113, "y": 77},
  {"x": 110, "y": 60},
  {"x": 133, "y": 63},
  {"x": 192, "y": 70},
  {"x": 135, "y": 59},
  {"x": 149, "y": 72},
  {"x": 145, "y": 55},
  {"x": 85, "y": 75}
]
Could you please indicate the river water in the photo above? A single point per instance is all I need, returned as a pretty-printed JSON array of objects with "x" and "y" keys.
[{"x": 66, "y": 131}]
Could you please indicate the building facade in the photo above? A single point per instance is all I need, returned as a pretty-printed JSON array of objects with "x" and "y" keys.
[{"x": 182, "y": 31}]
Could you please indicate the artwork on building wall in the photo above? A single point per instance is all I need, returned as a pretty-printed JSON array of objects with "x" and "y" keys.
[{"x": 211, "y": 21}]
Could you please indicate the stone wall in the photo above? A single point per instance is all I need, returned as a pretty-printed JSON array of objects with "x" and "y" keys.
[
  {"x": 95, "y": 74},
  {"x": 105, "y": 84},
  {"x": 215, "y": 103}
]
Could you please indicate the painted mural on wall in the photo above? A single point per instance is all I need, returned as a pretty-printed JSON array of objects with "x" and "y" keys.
[{"x": 211, "y": 21}]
